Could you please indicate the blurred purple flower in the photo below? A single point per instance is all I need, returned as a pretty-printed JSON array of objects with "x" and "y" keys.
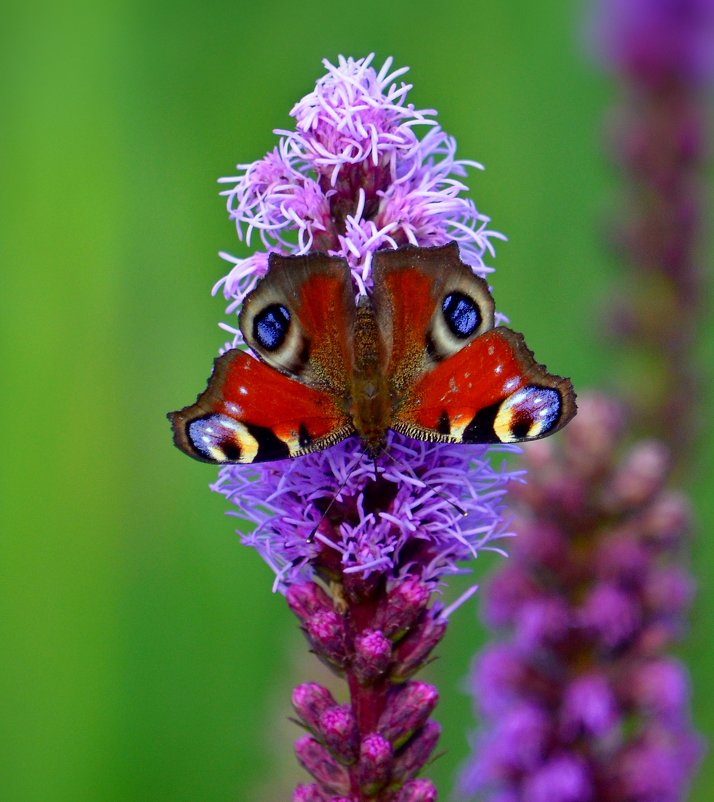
[
  {"x": 582, "y": 705},
  {"x": 656, "y": 41},
  {"x": 662, "y": 52},
  {"x": 359, "y": 555}
]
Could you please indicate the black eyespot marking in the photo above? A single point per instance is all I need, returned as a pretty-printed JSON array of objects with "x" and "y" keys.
[
  {"x": 215, "y": 438},
  {"x": 304, "y": 436},
  {"x": 480, "y": 429},
  {"x": 270, "y": 446},
  {"x": 521, "y": 426},
  {"x": 231, "y": 451},
  {"x": 305, "y": 350},
  {"x": 270, "y": 326},
  {"x": 443, "y": 425},
  {"x": 461, "y": 314}
]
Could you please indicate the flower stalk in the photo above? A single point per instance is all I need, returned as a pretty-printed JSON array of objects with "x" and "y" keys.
[{"x": 361, "y": 547}]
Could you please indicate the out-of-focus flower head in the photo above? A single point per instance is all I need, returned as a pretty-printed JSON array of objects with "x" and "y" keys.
[
  {"x": 579, "y": 700},
  {"x": 655, "y": 41}
]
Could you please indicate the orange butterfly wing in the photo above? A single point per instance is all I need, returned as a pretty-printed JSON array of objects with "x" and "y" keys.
[
  {"x": 252, "y": 413},
  {"x": 492, "y": 391},
  {"x": 453, "y": 377},
  {"x": 294, "y": 399}
]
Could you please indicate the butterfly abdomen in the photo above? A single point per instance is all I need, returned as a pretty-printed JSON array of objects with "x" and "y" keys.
[{"x": 370, "y": 408}]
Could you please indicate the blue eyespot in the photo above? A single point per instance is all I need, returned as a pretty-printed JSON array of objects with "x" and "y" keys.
[
  {"x": 270, "y": 326},
  {"x": 461, "y": 314}
]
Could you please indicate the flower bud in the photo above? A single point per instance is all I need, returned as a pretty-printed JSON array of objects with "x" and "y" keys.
[
  {"x": 338, "y": 729},
  {"x": 373, "y": 653},
  {"x": 310, "y": 701},
  {"x": 411, "y": 759},
  {"x": 326, "y": 633},
  {"x": 306, "y": 599},
  {"x": 316, "y": 760},
  {"x": 411, "y": 652},
  {"x": 404, "y": 603},
  {"x": 667, "y": 519},
  {"x": 408, "y": 708},
  {"x": 310, "y": 793},
  {"x": 640, "y": 476},
  {"x": 417, "y": 791},
  {"x": 375, "y": 763}
]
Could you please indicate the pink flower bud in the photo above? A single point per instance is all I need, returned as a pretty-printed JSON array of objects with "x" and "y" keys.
[
  {"x": 310, "y": 793},
  {"x": 306, "y": 599},
  {"x": 408, "y": 708},
  {"x": 373, "y": 653},
  {"x": 640, "y": 475},
  {"x": 338, "y": 729},
  {"x": 310, "y": 701},
  {"x": 403, "y": 605},
  {"x": 326, "y": 633},
  {"x": 417, "y": 791},
  {"x": 411, "y": 653},
  {"x": 412, "y": 758},
  {"x": 375, "y": 762},
  {"x": 316, "y": 760}
]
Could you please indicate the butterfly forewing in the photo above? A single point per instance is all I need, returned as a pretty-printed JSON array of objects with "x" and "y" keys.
[
  {"x": 429, "y": 305},
  {"x": 300, "y": 319}
]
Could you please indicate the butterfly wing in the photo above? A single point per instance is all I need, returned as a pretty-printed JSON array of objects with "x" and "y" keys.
[
  {"x": 492, "y": 391},
  {"x": 411, "y": 286},
  {"x": 453, "y": 376},
  {"x": 252, "y": 413},
  {"x": 300, "y": 322}
]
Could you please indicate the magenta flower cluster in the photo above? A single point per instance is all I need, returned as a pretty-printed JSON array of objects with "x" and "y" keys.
[
  {"x": 579, "y": 700},
  {"x": 360, "y": 549},
  {"x": 351, "y": 179}
]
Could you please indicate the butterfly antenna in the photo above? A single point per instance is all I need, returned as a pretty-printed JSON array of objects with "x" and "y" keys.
[
  {"x": 311, "y": 536},
  {"x": 431, "y": 487}
]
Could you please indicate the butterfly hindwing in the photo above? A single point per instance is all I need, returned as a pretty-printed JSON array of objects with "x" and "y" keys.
[
  {"x": 491, "y": 391},
  {"x": 252, "y": 413}
]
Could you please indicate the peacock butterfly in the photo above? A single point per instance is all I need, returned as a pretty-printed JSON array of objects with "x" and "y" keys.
[{"x": 420, "y": 355}]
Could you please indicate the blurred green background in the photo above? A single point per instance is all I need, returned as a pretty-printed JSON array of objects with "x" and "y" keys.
[{"x": 145, "y": 657}]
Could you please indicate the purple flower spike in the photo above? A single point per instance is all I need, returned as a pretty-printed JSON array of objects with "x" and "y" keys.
[
  {"x": 585, "y": 706},
  {"x": 662, "y": 53},
  {"x": 657, "y": 40},
  {"x": 360, "y": 547}
]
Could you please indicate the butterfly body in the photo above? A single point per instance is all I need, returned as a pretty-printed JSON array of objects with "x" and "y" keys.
[
  {"x": 369, "y": 406},
  {"x": 420, "y": 355}
]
